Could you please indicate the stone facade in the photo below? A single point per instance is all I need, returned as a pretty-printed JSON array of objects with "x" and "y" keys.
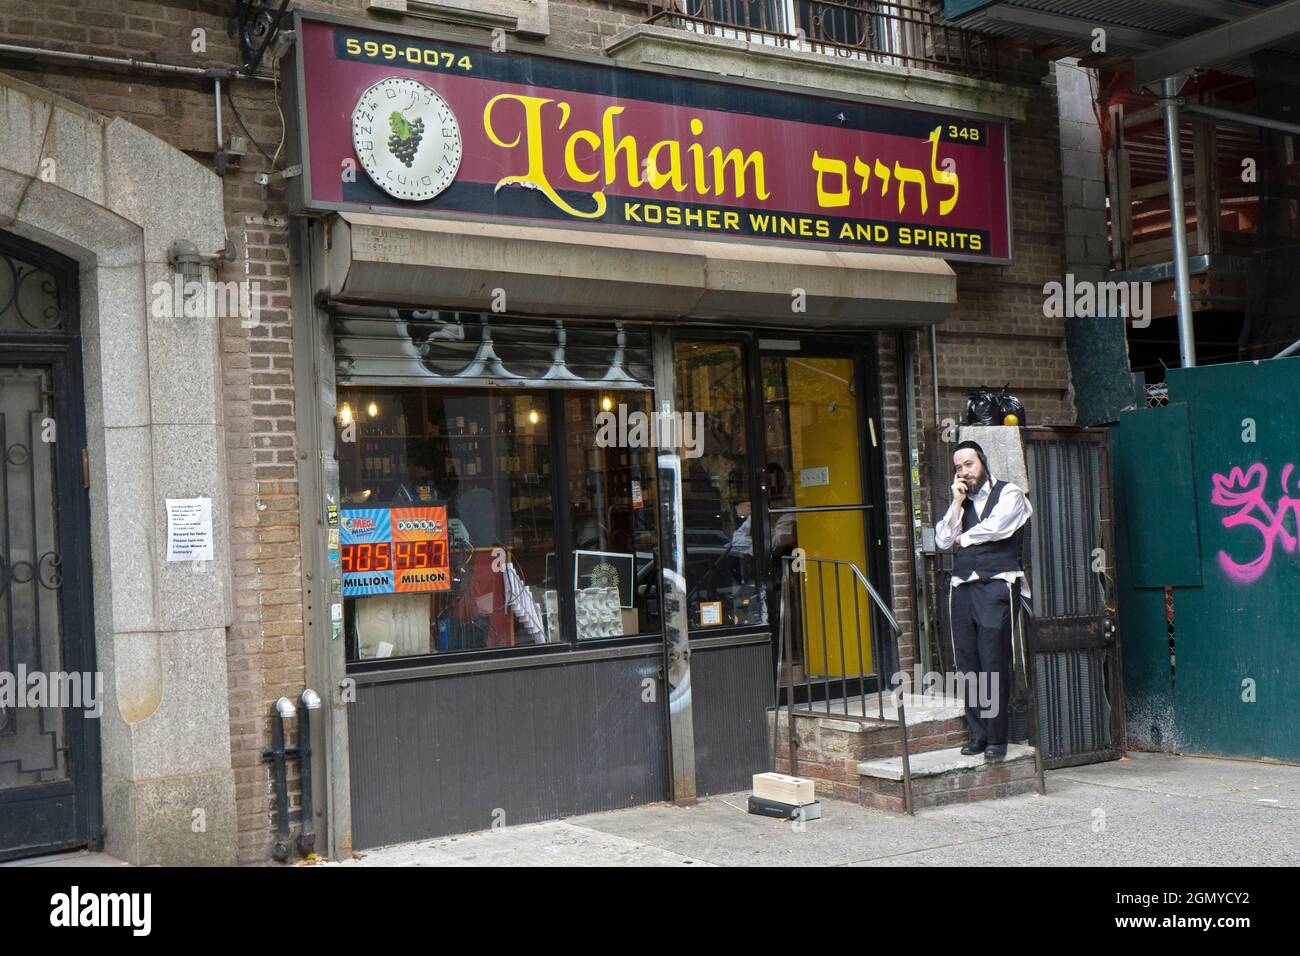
[
  {"x": 113, "y": 197},
  {"x": 147, "y": 167}
]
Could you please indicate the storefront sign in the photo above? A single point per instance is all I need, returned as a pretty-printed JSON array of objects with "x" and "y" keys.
[
  {"x": 388, "y": 550},
  {"x": 394, "y": 122}
]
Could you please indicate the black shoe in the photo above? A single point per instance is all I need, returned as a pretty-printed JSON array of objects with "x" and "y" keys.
[
  {"x": 975, "y": 747},
  {"x": 995, "y": 751}
]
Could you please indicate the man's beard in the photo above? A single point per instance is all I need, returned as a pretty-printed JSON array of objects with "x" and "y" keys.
[{"x": 978, "y": 483}]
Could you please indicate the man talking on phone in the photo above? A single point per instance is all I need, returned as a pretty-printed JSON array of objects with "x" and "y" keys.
[{"x": 985, "y": 526}]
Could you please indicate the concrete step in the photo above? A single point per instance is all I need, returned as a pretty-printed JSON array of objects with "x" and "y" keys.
[
  {"x": 936, "y": 762},
  {"x": 946, "y": 776},
  {"x": 829, "y": 748}
]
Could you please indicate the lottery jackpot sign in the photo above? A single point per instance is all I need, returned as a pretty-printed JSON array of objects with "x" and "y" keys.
[{"x": 394, "y": 550}]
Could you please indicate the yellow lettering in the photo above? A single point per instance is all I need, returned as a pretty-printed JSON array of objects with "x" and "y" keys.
[
  {"x": 697, "y": 158},
  {"x": 655, "y": 175},
  {"x": 836, "y": 167},
  {"x": 945, "y": 177},
  {"x": 577, "y": 173},
  {"x": 532, "y": 132},
  {"x": 626, "y": 145},
  {"x": 739, "y": 162},
  {"x": 905, "y": 175}
]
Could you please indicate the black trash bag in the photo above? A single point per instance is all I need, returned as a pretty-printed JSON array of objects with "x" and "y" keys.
[
  {"x": 982, "y": 407},
  {"x": 1008, "y": 404},
  {"x": 987, "y": 407}
]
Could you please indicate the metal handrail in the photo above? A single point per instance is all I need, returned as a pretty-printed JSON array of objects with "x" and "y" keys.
[
  {"x": 785, "y": 662},
  {"x": 879, "y": 601}
]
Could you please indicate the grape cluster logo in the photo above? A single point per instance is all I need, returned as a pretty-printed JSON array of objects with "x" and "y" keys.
[
  {"x": 406, "y": 138},
  {"x": 405, "y": 141}
]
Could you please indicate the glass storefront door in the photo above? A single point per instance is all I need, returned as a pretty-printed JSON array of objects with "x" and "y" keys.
[
  {"x": 814, "y": 460},
  {"x": 782, "y": 464}
]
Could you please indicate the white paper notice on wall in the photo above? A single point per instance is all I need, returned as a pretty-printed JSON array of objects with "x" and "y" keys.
[
  {"x": 814, "y": 477},
  {"x": 189, "y": 529}
]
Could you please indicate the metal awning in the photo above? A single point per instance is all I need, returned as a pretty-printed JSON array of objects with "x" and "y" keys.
[
  {"x": 457, "y": 264},
  {"x": 1158, "y": 38}
]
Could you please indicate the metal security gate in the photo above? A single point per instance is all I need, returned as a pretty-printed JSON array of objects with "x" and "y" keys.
[
  {"x": 1073, "y": 639},
  {"x": 49, "y": 694}
]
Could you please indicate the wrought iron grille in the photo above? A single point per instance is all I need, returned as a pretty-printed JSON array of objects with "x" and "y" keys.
[
  {"x": 30, "y": 578},
  {"x": 902, "y": 34},
  {"x": 29, "y": 297}
]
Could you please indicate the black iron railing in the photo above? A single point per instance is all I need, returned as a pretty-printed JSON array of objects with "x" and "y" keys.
[
  {"x": 905, "y": 34},
  {"x": 823, "y": 650}
]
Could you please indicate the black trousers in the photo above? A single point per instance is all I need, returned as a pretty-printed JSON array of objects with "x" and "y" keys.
[{"x": 980, "y": 612}]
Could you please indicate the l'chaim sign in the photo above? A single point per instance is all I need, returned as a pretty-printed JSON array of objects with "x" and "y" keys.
[{"x": 393, "y": 122}]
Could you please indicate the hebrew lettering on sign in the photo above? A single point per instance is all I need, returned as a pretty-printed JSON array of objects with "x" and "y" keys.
[{"x": 902, "y": 175}]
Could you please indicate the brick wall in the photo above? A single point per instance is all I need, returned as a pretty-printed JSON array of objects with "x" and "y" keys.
[{"x": 997, "y": 335}]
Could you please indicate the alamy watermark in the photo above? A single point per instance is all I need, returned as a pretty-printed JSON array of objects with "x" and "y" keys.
[
  {"x": 235, "y": 299},
  {"x": 622, "y": 428},
  {"x": 66, "y": 689},
  {"x": 1084, "y": 299},
  {"x": 980, "y": 688}
]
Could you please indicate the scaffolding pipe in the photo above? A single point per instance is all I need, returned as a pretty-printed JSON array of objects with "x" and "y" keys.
[
  {"x": 1178, "y": 223},
  {"x": 1201, "y": 112}
]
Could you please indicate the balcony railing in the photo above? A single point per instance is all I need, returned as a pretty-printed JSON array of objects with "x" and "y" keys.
[{"x": 904, "y": 34}]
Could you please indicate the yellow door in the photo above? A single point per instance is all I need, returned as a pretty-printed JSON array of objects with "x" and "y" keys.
[{"x": 814, "y": 437}]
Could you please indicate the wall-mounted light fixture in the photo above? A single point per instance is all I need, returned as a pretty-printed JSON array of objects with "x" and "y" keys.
[{"x": 186, "y": 262}]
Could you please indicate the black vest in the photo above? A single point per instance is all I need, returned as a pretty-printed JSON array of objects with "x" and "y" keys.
[{"x": 991, "y": 557}]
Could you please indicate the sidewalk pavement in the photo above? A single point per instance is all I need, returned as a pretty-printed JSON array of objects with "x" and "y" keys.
[{"x": 1147, "y": 810}]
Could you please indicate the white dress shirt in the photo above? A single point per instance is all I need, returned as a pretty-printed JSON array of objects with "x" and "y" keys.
[{"x": 1008, "y": 515}]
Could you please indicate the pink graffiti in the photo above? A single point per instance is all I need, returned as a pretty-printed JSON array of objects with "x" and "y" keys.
[{"x": 1245, "y": 492}]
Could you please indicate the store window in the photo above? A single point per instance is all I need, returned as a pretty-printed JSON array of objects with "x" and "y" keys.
[
  {"x": 717, "y": 500},
  {"x": 447, "y": 531},
  {"x": 612, "y": 507},
  {"x": 458, "y": 531}
]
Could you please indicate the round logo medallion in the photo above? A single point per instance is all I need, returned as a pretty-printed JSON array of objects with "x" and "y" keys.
[{"x": 407, "y": 138}]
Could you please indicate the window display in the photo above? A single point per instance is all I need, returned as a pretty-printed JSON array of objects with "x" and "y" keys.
[
  {"x": 721, "y": 574},
  {"x": 612, "y": 502},
  {"x": 448, "y": 521}
]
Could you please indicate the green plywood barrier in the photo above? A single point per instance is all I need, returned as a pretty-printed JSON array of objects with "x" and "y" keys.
[
  {"x": 1154, "y": 488},
  {"x": 1237, "y": 686},
  {"x": 1142, "y": 517},
  {"x": 1150, "y": 722}
]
